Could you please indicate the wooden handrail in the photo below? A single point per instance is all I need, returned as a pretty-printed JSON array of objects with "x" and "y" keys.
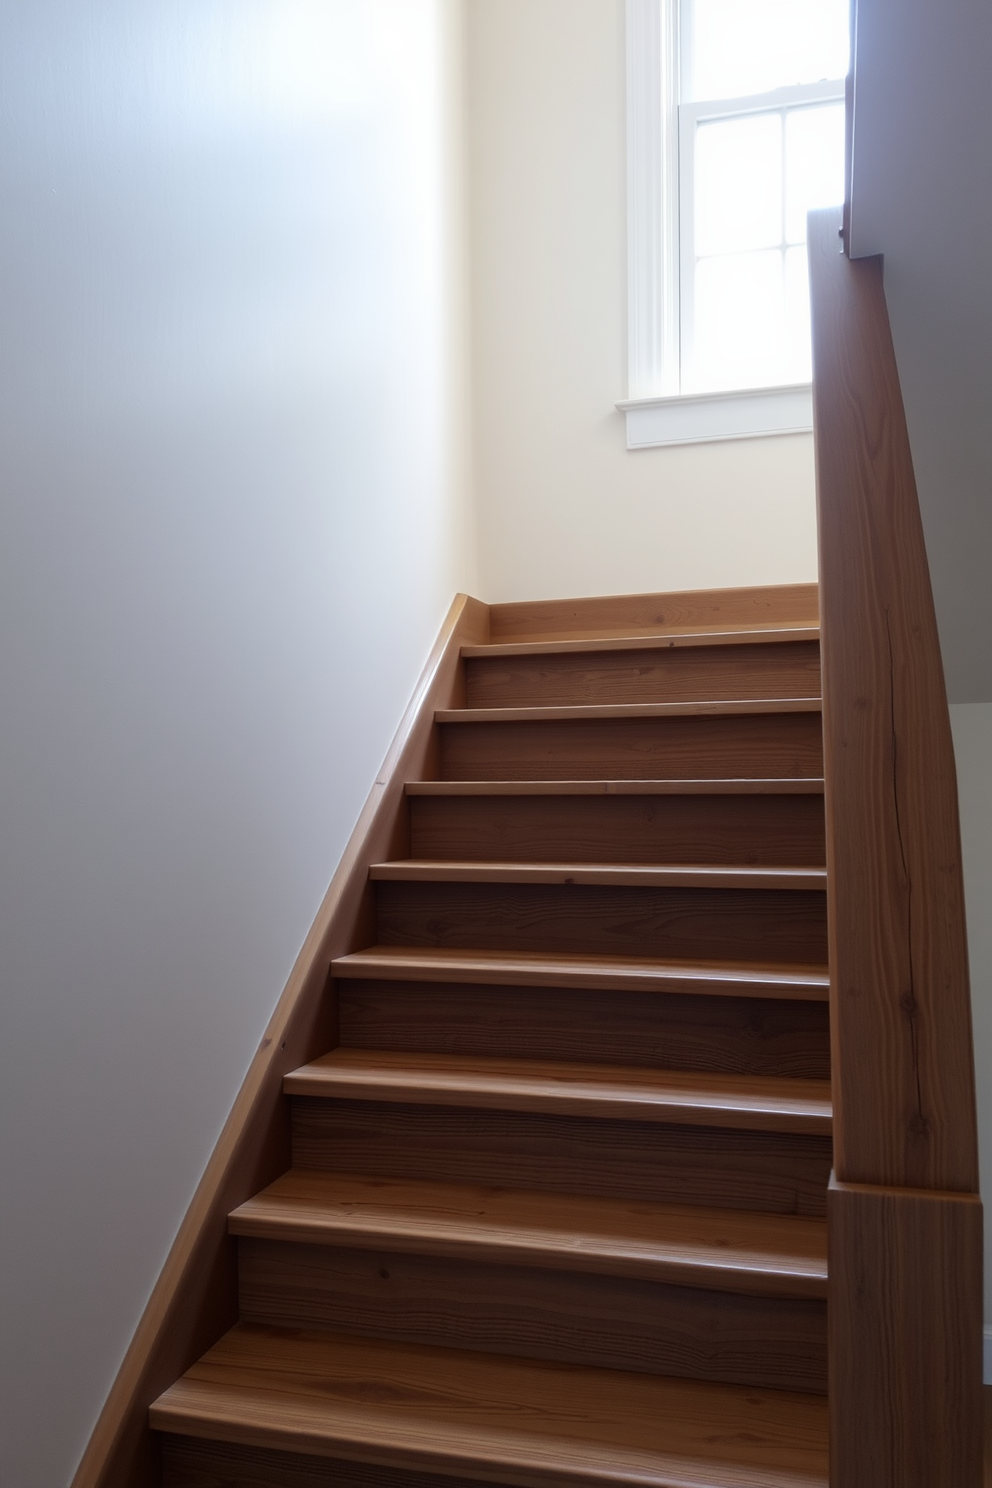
[{"x": 906, "y": 1285}]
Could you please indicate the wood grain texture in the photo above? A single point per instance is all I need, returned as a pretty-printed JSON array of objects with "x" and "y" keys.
[
  {"x": 493, "y": 1307},
  {"x": 190, "y": 1462},
  {"x": 606, "y": 1092},
  {"x": 648, "y": 876},
  {"x": 732, "y": 925},
  {"x": 665, "y": 675},
  {"x": 525, "y": 1423},
  {"x": 903, "y": 1064},
  {"x": 743, "y": 786},
  {"x": 634, "y": 747},
  {"x": 761, "y": 1254},
  {"x": 905, "y": 1320},
  {"x": 785, "y": 605},
  {"x": 708, "y": 1167},
  {"x": 584, "y": 712},
  {"x": 617, "y": 973},
  {"x": 742, "y": 828},
  {"x": 195, "y": 1298},
  {"x": 673, "y": 1031},
  {"x": 590, "y": 645},
  {"x": 906, "y": 1268}
]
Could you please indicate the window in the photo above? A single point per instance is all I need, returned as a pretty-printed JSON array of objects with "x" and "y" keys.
[{"x": 735, "y": 131}]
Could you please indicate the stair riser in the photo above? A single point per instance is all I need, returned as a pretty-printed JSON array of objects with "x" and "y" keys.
[
  {"x": 775, "y": 831},
  {"x": 605, "y": 1321},
  {"x": 733, "y": 1035},
  {"x": 769, "y": 1172},
  {"x": 191, "y": 1463},
  {"x": 784, "y": 927},
  {"x": 675, "y": 675},
  {"x": 695, "y": 747}
]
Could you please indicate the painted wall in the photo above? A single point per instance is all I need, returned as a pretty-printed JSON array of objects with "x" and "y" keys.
[
  {"x": 229, "y": 529},
  {"x": 564, "y": 508},
  {"x": 972, "y": 727},
  {"x": 922, "y": 196}
]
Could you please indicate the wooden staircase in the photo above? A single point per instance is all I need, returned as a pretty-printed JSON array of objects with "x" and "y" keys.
[{"x": 556, "y": 1213}]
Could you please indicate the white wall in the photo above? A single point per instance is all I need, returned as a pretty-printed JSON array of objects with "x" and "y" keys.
[
  {"x": 564, "y": 507},
  {"x": 972, "y": 727},
  {"x": 922, "y": 196},
  {"x": 229, "y": 530}
]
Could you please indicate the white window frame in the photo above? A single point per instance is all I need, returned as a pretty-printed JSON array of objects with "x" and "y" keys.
[{"x": 660, "y": 237}]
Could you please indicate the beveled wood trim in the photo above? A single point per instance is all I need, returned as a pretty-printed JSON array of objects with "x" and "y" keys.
[
  {"x": 195, "y": 1298},
  {"x": 569, "y": 713},
  {"x": 602, "y": 973},
  {"x": 795, "y": 786},
  {"x": 412, "y": 870},
  {"x": 901, "y": 1010},
  {"x": 689, "y": 640},
  {"x": 785, "y": 605}
]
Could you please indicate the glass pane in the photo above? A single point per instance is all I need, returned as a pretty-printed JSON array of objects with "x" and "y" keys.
[
  {"x": 798, "y": 359},
  {"x": 814, "y": 164},
  {"x": 738, "y": 184},
  {"x": 751, "y": 46},
  {"x": 739, "y": 330}
]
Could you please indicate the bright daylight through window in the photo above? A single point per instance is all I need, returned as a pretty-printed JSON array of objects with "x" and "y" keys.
[
  {"x": 735, "y": 132},
  {"x": 761, "y": 142}
]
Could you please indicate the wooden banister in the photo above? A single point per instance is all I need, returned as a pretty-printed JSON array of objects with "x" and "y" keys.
[{"x": 905, "y": 1219}]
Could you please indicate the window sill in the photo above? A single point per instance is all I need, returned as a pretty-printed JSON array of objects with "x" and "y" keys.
[{"x": 702, "y": 418}]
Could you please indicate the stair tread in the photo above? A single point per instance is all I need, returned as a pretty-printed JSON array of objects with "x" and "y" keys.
[
  {"x": 754, "y": 1102},
  {"x": 421, "y": 870},
  {"x": 607, "y": 973},
  {"x": 572, "y": 711},
  {"x": 691, "y": 638},
  {"x": 721, "y": 1249},
  {"x": 793, "y": 786},
  {"x": 522, "y": 1421}
]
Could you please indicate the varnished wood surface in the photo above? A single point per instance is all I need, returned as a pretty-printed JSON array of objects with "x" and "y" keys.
[
  {"x": 905, "y": 1337},
  {"x": 786, "y": 605},
  {"x": 414, "y": 870},
  {"x": 770, "y": 1255},
  {"x": 665, "y": 675},
  {"x": 780, "y": 830},
  {"x": 733, "y": 925},
  {"x": 492, "y": 1306},
  {"x": 690, "y": 638},
  {"x": 738, "y": 1035},
  {"x": 580, "y": 712},
  {"x": 741, "y": 787},
  {"x": 709, "y": 1167},
  {"x": 635, "y": 748},
  {"x": 197, "y": 1463},
  {"x": 741, "y": 1101},
  {"x": 195, "y": 1297},
  {"x": 404, "y": 1406},
  {"x": 415, "y": 963},
  {"x": 903, "y": 1062}
]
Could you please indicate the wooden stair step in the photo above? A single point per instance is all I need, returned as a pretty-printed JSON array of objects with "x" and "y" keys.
[
  {"x": 772, "y": 1255},
  {"x": 603, "y": 973},
  {"x": 743, "y": 1102},
  {"x": 533, "y": 1424},
  {"x": 415, "y": 870},
  {"x": 566, "y": 713},
  {"x": 689, "y": 638},
  {"x": 744, "y": 787}
]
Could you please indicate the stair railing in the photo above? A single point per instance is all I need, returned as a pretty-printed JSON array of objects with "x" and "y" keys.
[{"x": 905, "y": 1219}]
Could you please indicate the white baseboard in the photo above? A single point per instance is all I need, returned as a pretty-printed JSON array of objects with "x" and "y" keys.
[{"x": 987, "y": 1355}]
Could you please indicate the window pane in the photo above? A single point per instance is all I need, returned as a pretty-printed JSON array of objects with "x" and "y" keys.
[
  {"x": 751, "y": 46},
  {"x": 799, "y": 361},
  {"x": 814, "y": 164},
  {"x": 739, "y": 330},
  {"x": 738, "y": 184}
]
